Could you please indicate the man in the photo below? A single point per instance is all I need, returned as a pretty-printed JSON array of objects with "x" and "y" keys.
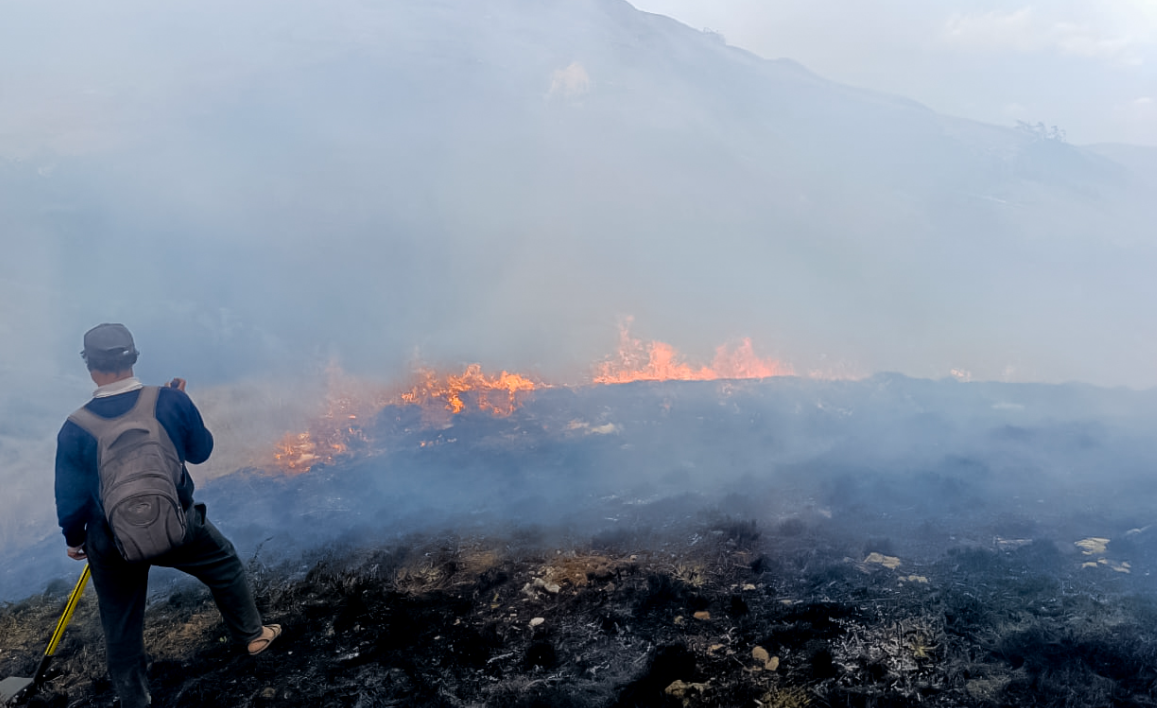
[{"x": 122, "y": 586}]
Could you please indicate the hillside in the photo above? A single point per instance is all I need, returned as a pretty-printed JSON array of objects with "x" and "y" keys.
[
  {"x": 500, "y": 181},
  {"x": 888, "y": 542}
]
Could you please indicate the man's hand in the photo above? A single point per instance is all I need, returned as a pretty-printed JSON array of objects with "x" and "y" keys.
[
  {"x": 77, "y": 553},
  {"x": 178, "y": 384}
]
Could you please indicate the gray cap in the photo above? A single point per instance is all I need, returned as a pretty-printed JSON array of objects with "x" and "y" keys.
[{"x": 107, "y": 339}]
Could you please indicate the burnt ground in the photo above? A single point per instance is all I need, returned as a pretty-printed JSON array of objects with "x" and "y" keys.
[
  {"x": 786, "y": 543},
  {"x": 730, "y": 614}
]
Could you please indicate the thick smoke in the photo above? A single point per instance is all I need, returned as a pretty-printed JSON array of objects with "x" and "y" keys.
[
  {"x": 260, "y": 191},
  {"x": 915, "y": 466}
]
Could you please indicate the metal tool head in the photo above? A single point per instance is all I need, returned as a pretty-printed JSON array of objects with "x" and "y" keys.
[{"x": 12, "y": 688}]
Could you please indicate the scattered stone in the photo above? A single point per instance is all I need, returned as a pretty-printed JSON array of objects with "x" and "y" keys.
[
  {"x": 537, "y": 621},
  {"x": 532, "y": 589},
  {"x": 1122, "y": 567},
  {"x": 702, "y": 615},
  {"x": 682, "y": 690},
  {"x": 1093, "y": 546},
  {"x": 889, "y": 562},
  {"x": 748, "y": 586},
  {"x": 764, "y": 657}
]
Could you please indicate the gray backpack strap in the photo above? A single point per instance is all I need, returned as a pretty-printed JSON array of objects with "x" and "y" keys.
[
  {"x": 96, "y": 426},
  {"x": 90, "y": 422},
  {"x": 148, "y": 399}
]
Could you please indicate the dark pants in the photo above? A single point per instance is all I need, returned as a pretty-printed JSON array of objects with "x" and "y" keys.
[{"x": 122, "y": 587}]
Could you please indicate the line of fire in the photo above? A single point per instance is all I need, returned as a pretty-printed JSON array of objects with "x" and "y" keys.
[{"x": 440, "y": 395}]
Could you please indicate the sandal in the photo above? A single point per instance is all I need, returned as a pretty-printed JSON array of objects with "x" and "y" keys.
[{"x": 262, "y": 643}]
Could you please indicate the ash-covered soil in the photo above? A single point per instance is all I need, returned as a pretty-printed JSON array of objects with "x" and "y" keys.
[
  {"x": 725, "y": 612},
  {"x": 783, "y": 543}
]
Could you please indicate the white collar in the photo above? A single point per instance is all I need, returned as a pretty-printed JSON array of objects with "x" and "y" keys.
[{"x": 118, "y": 387}]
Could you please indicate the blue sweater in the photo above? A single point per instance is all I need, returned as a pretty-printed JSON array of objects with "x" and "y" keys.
[{"x": 77, "y": 478}]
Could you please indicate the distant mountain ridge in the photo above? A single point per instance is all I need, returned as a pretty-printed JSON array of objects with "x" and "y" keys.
[{"x": 499, "y": 181}]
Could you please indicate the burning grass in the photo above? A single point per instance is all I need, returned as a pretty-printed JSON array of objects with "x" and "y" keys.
[
  {"x": 722, "y": 613},
  {"x": 338, "y": 430}
]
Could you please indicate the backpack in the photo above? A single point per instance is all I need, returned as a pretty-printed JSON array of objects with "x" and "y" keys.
[{"x": 139, "y": 473}]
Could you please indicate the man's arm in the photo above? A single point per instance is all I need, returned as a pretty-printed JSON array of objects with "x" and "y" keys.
[
  {"x": 181, "y": 418},
  {"x": 75, "y": 484},
  {"x": 199, "y": 443}
]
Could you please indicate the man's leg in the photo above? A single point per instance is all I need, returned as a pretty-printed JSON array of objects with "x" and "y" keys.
[
  {"x": 121, "y": 590},
  {"x": 211, "y": 558}
]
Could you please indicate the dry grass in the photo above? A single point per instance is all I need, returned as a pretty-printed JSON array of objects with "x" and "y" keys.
[
  {"x": 476, "y": 561},
  {"x": 578, "y": 570},
  {"x": 172, "y": 640},
  {"x": 786, "y": 698},
  {"x": 421, "y": 577}
]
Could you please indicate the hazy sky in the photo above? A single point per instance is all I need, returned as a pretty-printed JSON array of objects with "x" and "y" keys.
[
  {"x": 293, "y": 161},
  {"x": 1088, "y": 67}
]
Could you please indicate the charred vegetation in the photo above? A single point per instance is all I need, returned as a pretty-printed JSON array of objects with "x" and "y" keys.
[
  {"x": 590, "y": 549},
  {"x": 746, "y": 615}
]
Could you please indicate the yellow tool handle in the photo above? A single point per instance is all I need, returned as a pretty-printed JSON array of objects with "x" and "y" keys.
[{"x": 73, "y": 600}]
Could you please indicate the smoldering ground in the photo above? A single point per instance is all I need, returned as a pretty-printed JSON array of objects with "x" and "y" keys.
[
  {"x": 659, "y": 543},
  {"x": 929, "y": 465},
  {"x": 915, "y": 455}
]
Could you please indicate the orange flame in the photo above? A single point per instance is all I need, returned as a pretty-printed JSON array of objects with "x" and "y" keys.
[
  {"x": 659, "y": 361},
  {"x": 350, "y": 401},
  {"x": 497, "y": 395},
  {"x": 299, "y": 453},
  {"x": 330, "y": 434}
]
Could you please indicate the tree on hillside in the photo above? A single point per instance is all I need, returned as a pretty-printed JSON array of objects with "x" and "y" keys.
[{"x": 1040, "y": 131}]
